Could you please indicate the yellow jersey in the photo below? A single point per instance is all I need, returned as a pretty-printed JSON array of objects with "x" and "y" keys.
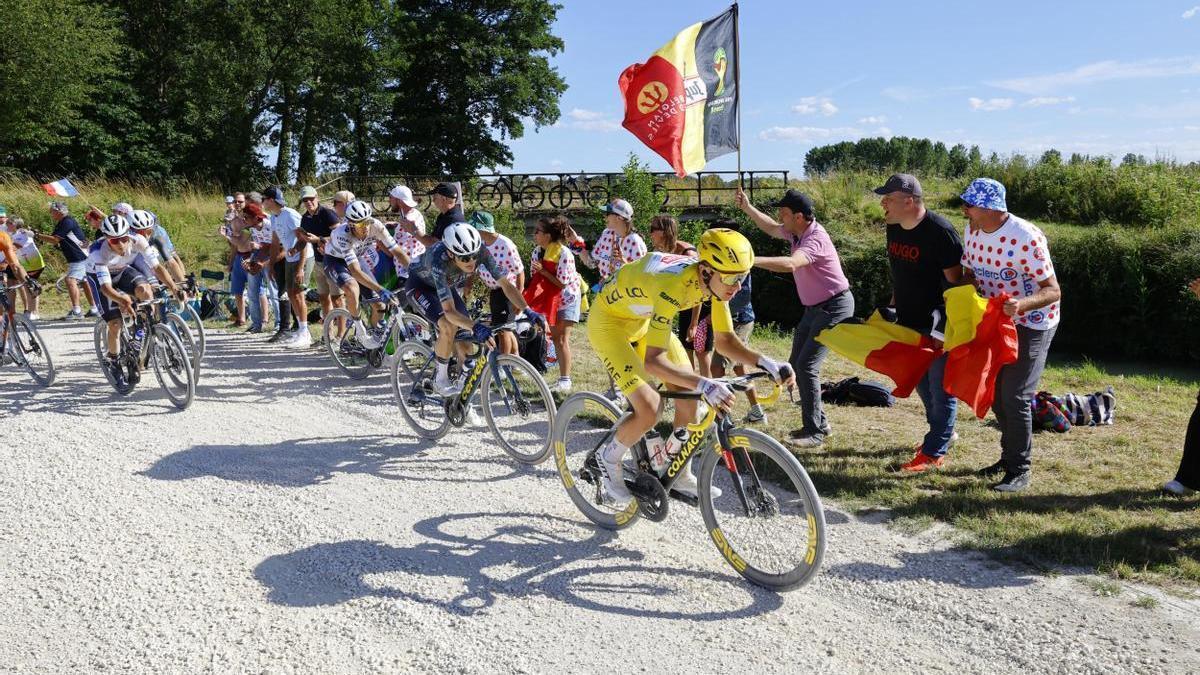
[{"x": 649, "y": 292}]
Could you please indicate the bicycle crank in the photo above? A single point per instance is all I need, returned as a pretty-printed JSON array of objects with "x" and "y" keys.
[{"x": 651, "y": 496}]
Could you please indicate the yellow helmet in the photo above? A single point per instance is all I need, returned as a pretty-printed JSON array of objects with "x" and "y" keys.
[{"x": 726, "y": 251}]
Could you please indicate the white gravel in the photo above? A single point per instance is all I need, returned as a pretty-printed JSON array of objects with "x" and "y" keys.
[{"x": 288, "y": 522}]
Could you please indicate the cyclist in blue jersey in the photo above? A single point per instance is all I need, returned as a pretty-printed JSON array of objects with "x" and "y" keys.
[{"x": 432, "y": 284}]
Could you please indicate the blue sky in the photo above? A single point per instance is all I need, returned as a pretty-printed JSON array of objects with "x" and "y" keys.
[{"x": 1102, "y": 77}]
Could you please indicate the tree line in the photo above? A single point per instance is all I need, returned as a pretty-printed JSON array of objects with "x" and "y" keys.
[{"x": 207, "y": 89}]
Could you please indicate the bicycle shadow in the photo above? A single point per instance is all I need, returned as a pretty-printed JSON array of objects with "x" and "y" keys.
[
  {"x": 553, "y": 557},
  {"x": 313, "y": 461},
  {"x": 953, "y": 566},
  {"x": 80, "y": 390}
]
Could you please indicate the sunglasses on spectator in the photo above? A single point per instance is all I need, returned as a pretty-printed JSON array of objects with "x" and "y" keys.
[
  {"x": 311, "y": 199},
  {"x": 240, "y": 202}
]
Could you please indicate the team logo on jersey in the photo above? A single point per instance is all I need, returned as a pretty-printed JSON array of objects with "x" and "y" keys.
[
  {"x": 1036, "y": 316},
  {"x": 1008, "y": 274}
]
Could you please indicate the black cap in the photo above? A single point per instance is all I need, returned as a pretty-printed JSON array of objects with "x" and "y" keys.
[
  {"x": 901, "y": 182},
  {"x": 797, "y": 201},
  {"x": 445, "y": 190},
  {"x": 275, "y": 193}
]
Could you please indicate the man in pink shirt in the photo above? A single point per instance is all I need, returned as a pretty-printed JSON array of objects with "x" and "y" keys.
[{"x": 823, "y": 290}]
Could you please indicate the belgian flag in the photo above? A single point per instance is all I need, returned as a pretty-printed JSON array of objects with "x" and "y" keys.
[
  {"x": 901, "y": 353},
  {"x": 682, "y": 102},
  {"x": 980, "y": 340}
]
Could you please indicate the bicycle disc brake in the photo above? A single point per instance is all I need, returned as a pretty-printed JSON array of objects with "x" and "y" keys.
[{"x": 651, "y": 496}]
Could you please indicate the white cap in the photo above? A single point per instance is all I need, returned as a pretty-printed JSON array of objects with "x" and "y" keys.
[
  {"x": 228, "y": 199},
  {"x": 404, "y": 194},
  {"x": 123, "y": 208}
]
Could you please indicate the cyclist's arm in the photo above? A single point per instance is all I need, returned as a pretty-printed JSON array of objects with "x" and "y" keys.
[
  {"x": 513, "y": 294},
  {"x": 362, "y": 277},
  {"x": 400, "y": 255},
  {"x": 456, "y": 317}
]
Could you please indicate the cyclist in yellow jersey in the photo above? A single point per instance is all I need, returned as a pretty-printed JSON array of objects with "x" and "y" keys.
[{"x": 629, "y": 326}]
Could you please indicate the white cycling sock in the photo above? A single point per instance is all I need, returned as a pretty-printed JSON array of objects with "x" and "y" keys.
[
  {"x": 443, "y": 368},
  {"x": 302, "y": 327},
  {"x": 614, "y": 452}
]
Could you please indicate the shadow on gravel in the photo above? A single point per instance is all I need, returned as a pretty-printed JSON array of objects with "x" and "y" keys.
[
  {"x": 77, "y": 391},
  {"x": 959, "y": 567},
  {"x": 311, "y": 461},
  {"x": 498, "y": 555}
]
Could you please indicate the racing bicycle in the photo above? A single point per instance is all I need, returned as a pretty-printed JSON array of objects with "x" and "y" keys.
[
  {"x": 20, "y": 341},
  {"x": 516, "y": 401},
  {"x": 757, "y": 502},
  {"x": 146, "y": 341},
  {"x": 561, "y": 196},
  {"x": 345, "y": 345}
]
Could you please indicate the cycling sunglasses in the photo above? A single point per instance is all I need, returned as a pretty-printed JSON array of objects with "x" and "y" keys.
[
  {"x": 467, "y": 258},
  {"x": 118, "y": 240},
  {"x": 732, "y": 279}
]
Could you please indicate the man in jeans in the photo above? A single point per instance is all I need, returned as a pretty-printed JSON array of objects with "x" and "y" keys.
[
  {"x": 924, "y": 258},
  {"x": 69, "y": 238},
  {"x": 823, "y": 290},
  {"x": 1005, "y": 255}
]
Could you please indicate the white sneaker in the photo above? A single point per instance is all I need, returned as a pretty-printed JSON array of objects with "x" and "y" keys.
[
  {"x": 473, "y": 418},
  {"x": 562, "y": 386},
  {"x": 612, "y": 481},
  {"x": 1177, "y": 488},
  {"x": 303, "y": 339},
  {"x": 92, "y": 312},
  {"x": 445, "y": 387},
  {"x": 32, "y": 317},
  {"x": 365, "y": 338},
  {"x": 686, "y": 484}
]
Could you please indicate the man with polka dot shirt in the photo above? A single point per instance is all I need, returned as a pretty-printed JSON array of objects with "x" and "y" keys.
[{"x": 1003, "y": 254}]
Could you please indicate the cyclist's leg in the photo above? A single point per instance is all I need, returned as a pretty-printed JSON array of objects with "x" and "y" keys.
[
  {"x": 685, "y": 410},
  {"x": 611, "y": 340}
]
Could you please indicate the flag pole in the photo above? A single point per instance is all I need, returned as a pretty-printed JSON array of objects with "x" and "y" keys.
[{"x": 737, "y": 88}]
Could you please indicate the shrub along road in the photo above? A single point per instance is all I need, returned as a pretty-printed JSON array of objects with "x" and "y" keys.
[{"x": 288, "y": 522}]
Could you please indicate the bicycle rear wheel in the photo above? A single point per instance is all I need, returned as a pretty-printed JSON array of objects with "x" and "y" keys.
[
  {"x": 172, "y": 367},
  {"x": 768, "y": 522},
  {"x": 177, "y": 324},
  {"x": 412, "y": 374},
  {"x": 342, "y": 343},
  {"x": 29, "y": 349},
  {"x": 560, "y": 196},
  {"x": 100, "y": 340},
  {"x": 582, "y": 424},
  {"x": 519, "y": 408},
  {"x": 192, "y": 317},
  {"x": 489, "y": 196},
  {"x": 414, "y": 327},
  {"x": 531, "y": 197}
]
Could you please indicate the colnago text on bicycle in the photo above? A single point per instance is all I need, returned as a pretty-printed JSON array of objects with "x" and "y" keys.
[
  {"x": 431, "y": 285},
  {"x": 347, "y": 262},
  {"x": 117, "y": 267},
  {"x": 630, "y": 329}
]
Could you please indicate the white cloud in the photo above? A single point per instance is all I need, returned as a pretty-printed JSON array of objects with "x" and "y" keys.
[
  {"x": 815, "y": 105},
  {"x": 990, "y": 105},
  {"x": 1102, "y": 71},
  {"x": 873, "y": 119},
  {"x": 1191, "y": 12},
  {"x": 819, "y": 134},
  {"x": 589, "y": 120},
  {"x": 1039, "y": 101}
]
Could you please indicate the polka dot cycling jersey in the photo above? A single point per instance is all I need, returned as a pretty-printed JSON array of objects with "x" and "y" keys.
[
  {"x": 507, "y": 258},
  {"x": 1013, "y": 260}
]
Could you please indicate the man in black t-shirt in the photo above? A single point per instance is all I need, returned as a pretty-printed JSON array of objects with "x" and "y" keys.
[
  {"x": 69, "y": 238},
  {"x": 924, "y": 254},
  {"x": 445, "y": 200},
  {"x": 319, "y": 222}
]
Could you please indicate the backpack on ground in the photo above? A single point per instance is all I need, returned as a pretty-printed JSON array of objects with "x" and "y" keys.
[
  {"x": 1048, "y": 413},
  {"x": 852, "y": 391},
  {"x": 1090, "y": 409},
  {"x": 531, "y": 344}
]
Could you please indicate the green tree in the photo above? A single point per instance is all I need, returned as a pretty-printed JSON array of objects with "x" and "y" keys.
[{"x": 55, "y": 55}]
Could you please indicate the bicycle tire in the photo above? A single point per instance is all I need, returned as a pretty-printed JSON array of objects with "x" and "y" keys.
[
  {"x": 532, "y": 446},
  {"x": 413, "y": 327},
  {"x": 581, "y": 424},
  {"x": 489, "y": 196},
  {"x": 531, "y": 197},
  {"x": 32, "y": 344},
  {"x": 184, "y": 332},
  {"x": 192, "y": 317},
  {"x": 560, "y": 196},
  {"x": 169, "y": 360},
  {"x": 347, "y": 353},
  {"x": 596, "y": 196},
  {"x": 100, "y": 340},
  {"x": 425, "y": 414},
  {"x": 741, "y": 542}
]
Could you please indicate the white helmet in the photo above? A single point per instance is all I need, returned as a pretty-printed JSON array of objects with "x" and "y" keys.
[
  {"x": 114, "y": 226},
  {"x": 461, "y": 239},
  {"x": 141, "y": 220},
  {"x": 357, "y": 211}
]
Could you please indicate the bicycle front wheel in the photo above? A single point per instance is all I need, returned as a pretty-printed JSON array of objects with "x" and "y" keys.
[
  {"x": 412, "y": 375},
  {"x": 767, "y": 521},
  {"x": 560, "y": 196},
  {"x": 172, "y": 367},
  {"x": 184, "y": 332},
  {"x": 29, "y": 349},
  {"x": 342, "y": 343},
  {"x": 531, "y": 197},
  {"x": 519, "y": 408},
  {"x": 583, "y": 423}
]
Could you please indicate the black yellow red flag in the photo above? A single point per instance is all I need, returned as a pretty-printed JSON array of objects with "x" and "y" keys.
[{"x": 682, "y": 102}]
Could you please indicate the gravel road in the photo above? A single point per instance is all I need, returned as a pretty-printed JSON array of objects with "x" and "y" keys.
[{"x": 289, "y": 522}]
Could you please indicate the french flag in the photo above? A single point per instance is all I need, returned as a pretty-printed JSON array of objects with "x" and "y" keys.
[{"x": 60, "y": 188}]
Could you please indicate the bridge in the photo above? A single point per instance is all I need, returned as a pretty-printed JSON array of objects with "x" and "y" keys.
[{"x": 533, "y": 195}]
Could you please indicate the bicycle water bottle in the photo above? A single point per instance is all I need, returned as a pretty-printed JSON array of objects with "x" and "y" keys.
[
  {"x": 672, "y": 445},
  {"x": 138, "y": 336},
  {"x": 656, "y": 450}
]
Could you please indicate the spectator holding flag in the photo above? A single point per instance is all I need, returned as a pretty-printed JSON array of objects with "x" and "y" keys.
[
  {"x": 1005, "y": 255},
  {"x": 69, "y": 238}
]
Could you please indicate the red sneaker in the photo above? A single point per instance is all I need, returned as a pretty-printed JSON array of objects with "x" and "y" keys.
[{"x": 922, "y": 462}]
